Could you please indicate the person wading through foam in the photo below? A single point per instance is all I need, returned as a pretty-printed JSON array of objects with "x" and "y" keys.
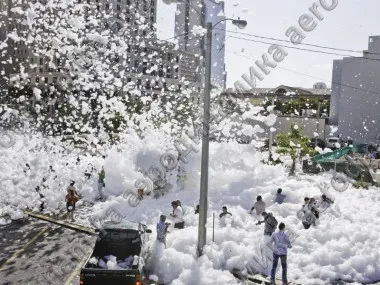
[{"x": 177, "y": 216}]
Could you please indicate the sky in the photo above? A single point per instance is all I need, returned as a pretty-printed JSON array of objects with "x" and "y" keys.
[{"x": 348, "y": 26}]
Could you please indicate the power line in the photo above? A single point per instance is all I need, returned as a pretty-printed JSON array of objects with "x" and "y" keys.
[
  {"x": 305, "y": 44},
  {"x": 291, "y": 47},
  {"x": 311, "y": 76},
  {"x": 303, "y": 49}
]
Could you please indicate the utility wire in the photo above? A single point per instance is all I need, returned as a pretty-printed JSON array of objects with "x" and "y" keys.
[
  {"x": 287, "y": 41},
  {"x": 291, "y": 47},
  {"x": 311, "y": 76},
  {"x": 303, "y": 49}
]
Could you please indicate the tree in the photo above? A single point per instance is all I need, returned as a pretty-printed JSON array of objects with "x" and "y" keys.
[{"x": 294, "y": 144}]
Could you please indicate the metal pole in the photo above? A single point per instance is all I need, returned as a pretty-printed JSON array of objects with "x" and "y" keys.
[
  {"x": 270, "y": 138},
  {"x": 318, "y": 116},
  {"x": 213, "y": 226},
  {"x": 205, "y": 146}
]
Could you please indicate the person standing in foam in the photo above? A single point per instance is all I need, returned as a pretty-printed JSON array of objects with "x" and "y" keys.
[
  {"x": 280, "y": 250},
  {"x": 279, "y": 197},
  {"x": 177, "y": 216},
  {"x": 259, "y": 206}
]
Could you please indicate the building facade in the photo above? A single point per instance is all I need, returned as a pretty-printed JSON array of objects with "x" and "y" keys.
[
  {"x": 215, "y": 15},
  {"x": 355, "y": 98},
  {"x": 192, "y": 14},
  {"x": 150, "y": 66}
]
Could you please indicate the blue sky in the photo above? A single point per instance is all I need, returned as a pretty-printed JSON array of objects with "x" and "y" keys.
[{"x": 348, "y": 26}]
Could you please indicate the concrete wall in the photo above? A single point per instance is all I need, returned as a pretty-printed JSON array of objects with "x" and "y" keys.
[
  {"x": 355, "y": 100},
  {"x": 309, "y": 125}
]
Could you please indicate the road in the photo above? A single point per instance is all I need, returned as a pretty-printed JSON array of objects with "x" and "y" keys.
[{"x": 40, "y": 253}]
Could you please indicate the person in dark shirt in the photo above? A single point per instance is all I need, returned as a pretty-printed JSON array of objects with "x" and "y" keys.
[
  {"x": 279, "y": 197},
  {"x": 224, "y": 213}
]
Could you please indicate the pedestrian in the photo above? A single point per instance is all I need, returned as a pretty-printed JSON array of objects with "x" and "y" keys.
[
  {"x": 162, "y": 229},
  {"x": 90, "y": 169},
  {"x": 281, "y": 244},
  {"x": 140, "y": 194},
  {"x": 270, "y": 223},
  {"x": 259, "y": 206},
  {"x": 313, "y": 207},
  {"x": 224, "y": 213},
  {"x": 279, "y": 197},
  {"x": 71, "y": 200},
  {"x": 101, "y": 183},
  {"x": 180, "y": 205},
  {"x": 177, "y": 216},
  {"x": 308, "y": 213},
  {"x": 72, "y": 187},
  {"x": 327, "y": 200}
]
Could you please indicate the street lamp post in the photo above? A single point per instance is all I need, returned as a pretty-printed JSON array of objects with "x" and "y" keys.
[
  {"x": 203, "y": 201},
  {"x": 241, "y": 24}
]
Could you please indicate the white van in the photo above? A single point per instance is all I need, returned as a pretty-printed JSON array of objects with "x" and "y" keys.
[{"x": 334, "y": 143}]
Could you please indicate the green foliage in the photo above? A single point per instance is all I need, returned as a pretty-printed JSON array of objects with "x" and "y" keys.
[
  {"x": 294, "y": 144},
  {"x": 360, "y": 183},
  {"x": 289, "y": 107}
]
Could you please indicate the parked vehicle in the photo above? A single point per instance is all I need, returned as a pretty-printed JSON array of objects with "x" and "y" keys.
[
  {"x": 317, "y": 142},
  {"x": 334, "y": 143},
  {"x": 124, "y": 241}
]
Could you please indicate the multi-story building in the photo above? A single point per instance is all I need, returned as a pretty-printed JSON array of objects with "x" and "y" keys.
[
  {"x": 355, "y": 98},
  {"x": 190, "y": 14},
  {"x": 196, "y": 13},
  {"x": 215, "y": 14},
  {"x": 152, "y": 65}
]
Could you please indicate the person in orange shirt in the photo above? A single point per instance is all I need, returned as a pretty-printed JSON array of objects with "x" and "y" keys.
[{"x": 71, "y": 200}]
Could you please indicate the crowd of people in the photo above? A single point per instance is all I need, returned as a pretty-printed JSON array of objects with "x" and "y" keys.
[{"x": 278, "y": 241}]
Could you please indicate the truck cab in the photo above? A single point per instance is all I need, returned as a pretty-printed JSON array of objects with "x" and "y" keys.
[{"x": 117, "y": 257}]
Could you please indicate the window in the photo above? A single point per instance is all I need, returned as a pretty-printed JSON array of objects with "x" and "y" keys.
[
  {"x": 129, "y": 79},
  {"x": 41, "y": 70},
  {"x": 46, "y": 80},
  {"x": 118, "y": 7},
  {"x": 37, "y": 79},
  {"x": 165, "y": 86},
  {"x": 144, "y": 33},
  {"x": 107, "y": 6},
  {"x": 177, "y": 59},
  {"x": 160, "y": 71},
  {"x": 55, "y": 79},
  {"x": 88, "y": 1},
  {"x": 41, "y": 61},
  {"x": 32, "y": 60}
]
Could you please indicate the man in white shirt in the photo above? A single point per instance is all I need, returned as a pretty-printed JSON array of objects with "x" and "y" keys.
[
  {"x": 259, "y": 206},
  {"x": 281, "y": 245},
  {"x": 177, "y": 216}
]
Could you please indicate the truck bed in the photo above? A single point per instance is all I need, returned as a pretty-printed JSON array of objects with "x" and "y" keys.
[{"x": 121, "y": 244}]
